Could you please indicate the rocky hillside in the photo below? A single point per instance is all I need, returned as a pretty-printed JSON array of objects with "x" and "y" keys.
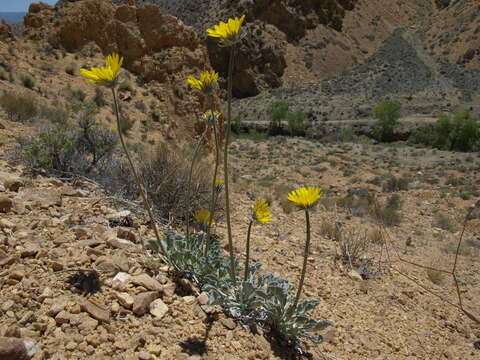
[
  {"x": 158, "y": 50},
  {"x": 401, "y": 69}
]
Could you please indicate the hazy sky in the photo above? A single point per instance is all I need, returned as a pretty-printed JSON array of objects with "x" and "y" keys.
[{"x": 20, "y": 5}]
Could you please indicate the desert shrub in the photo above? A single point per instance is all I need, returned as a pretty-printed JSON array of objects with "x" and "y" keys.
[
  {"x": 99, "y": 97},
  {"x": 165, "y": 175},
  {"x": 388, "y": 216},
  {"x": 354, "y": 248},
  {"x": 74, "y": 96},
  {"x": 3, "y": 75},
  {"x": 55, "y": 115},
  {"x": 27, "y": 81},
  {"x": 297, "y": 122},
  {"x": 444, "y": 222},
  {"x": 393, "y": 183},
  {"x": 465, "y": 132},
  {"x": 18, "y": 107},
  {"x": 277, "y": 111},
  {"x": 424, "y": 134},
  {"x": 126, "y": 124},
  {"x": 76, "y": 149},
  {"x": 236, "y": 125},
  {"x": 387, "y": 112}
]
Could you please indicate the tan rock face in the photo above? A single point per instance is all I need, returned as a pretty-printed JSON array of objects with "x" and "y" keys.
[
  {"x": 6, "y": 35},
  {"x": 157, "y": 47}
]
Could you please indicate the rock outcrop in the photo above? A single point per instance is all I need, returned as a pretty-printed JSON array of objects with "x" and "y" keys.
[
  {"x": 158, "y": 48},
  {"x": 6, "y": 33}
]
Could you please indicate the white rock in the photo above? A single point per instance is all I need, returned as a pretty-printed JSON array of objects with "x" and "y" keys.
[
  {"x": 158, "y": 308},
  {"x": 122, "y": 277}
]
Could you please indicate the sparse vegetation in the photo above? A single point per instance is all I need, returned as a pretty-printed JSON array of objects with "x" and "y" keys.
[
  {"x": 19, "y": 107},
  {"x": 27, "y": 81}
]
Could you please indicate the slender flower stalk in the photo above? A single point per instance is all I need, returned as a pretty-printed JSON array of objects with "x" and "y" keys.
[
  {"x": 108, "y": 76},
  {"x": 304, "y": 198},
  {"x": 189, "y": 183},
  {"x": 260, "y": 214},
  {"x": 214, "y": 181},
  {"x": 141, "y": 188},
  {"x": 305, "y": 259},
  {"x": 225, "y": 164},
  {"x": 247, "y": 252}
]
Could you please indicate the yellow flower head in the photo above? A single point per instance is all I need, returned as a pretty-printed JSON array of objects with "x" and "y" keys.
[
  {"x": 206, "y": 82},
  {"x": 228, "y": 33},
  {"x": 261, "y": 211},
  {"x": 210, "y": 117},
  {"x": 106, "y": 75},
  {"x": 203, "y": 217},
  {"x": 305, "y": 197}
]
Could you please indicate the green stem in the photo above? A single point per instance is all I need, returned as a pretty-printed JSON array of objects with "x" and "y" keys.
[
  {"x": 215, "y": 172},
  {"x": 135, "y": 175},
  {"x": 225, "y": 164},
  {"x": 305, "y": 259},
  {"x": 189, "y": 183},
  {"x": 247, "y": 258}
]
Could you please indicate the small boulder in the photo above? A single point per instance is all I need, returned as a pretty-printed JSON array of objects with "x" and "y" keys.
[
  {"x": 158, "y": 308},
  {"x": 142, "y": 301},
  {"x": 6, "y": 204}
]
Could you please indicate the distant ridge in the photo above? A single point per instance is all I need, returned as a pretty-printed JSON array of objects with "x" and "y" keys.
[{"x": 12, "y": 17}]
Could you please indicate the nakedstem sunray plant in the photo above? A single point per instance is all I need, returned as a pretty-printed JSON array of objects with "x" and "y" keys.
[
  {"x": 261, "y": 214},
  {"x": 108, "y": 76},
  {"x": 228, "y": 34},
  {"x": 304, "y": 198},
  {"x": 206, "y": 83}
]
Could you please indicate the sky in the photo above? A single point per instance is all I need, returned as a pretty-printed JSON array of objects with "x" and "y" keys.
[{"x": 20, "y": 5}]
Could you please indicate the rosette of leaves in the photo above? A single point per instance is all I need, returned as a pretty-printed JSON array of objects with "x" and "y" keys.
[
  {"x": 245, "y": 300},
  {"x": 287, "y": 320},
  {"x": 185, "y": 255}
]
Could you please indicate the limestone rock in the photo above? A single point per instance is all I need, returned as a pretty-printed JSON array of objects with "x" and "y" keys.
[
  {"x": 96, "y": 311},
  {"x": 158, "y": 308},
  {"x": 142, "y": 302},
  {"x": 147, "y": 282}
]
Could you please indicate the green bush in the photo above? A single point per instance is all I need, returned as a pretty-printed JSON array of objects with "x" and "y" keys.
[
  {"x": 277, "y": 111},
  {"x": 27, "y": 81},
  {"x": 297, "y": 122},
  {"x": 457, "y": 133},
  {"x": 18, "y": 108},
  {"x": 387, "y": 112}
]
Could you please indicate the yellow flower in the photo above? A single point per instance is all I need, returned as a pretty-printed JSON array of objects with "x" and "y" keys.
[
  {"x": 229, "y": 32},
  {"x": 203, "y": 216},
  {"x": 261, "y": 211},
  {"x": 206, "y": 82},
  {"x": 305, "y": 197},
  {"x": 209, "y": 118},
  {"x": 106, "y": 75}
]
